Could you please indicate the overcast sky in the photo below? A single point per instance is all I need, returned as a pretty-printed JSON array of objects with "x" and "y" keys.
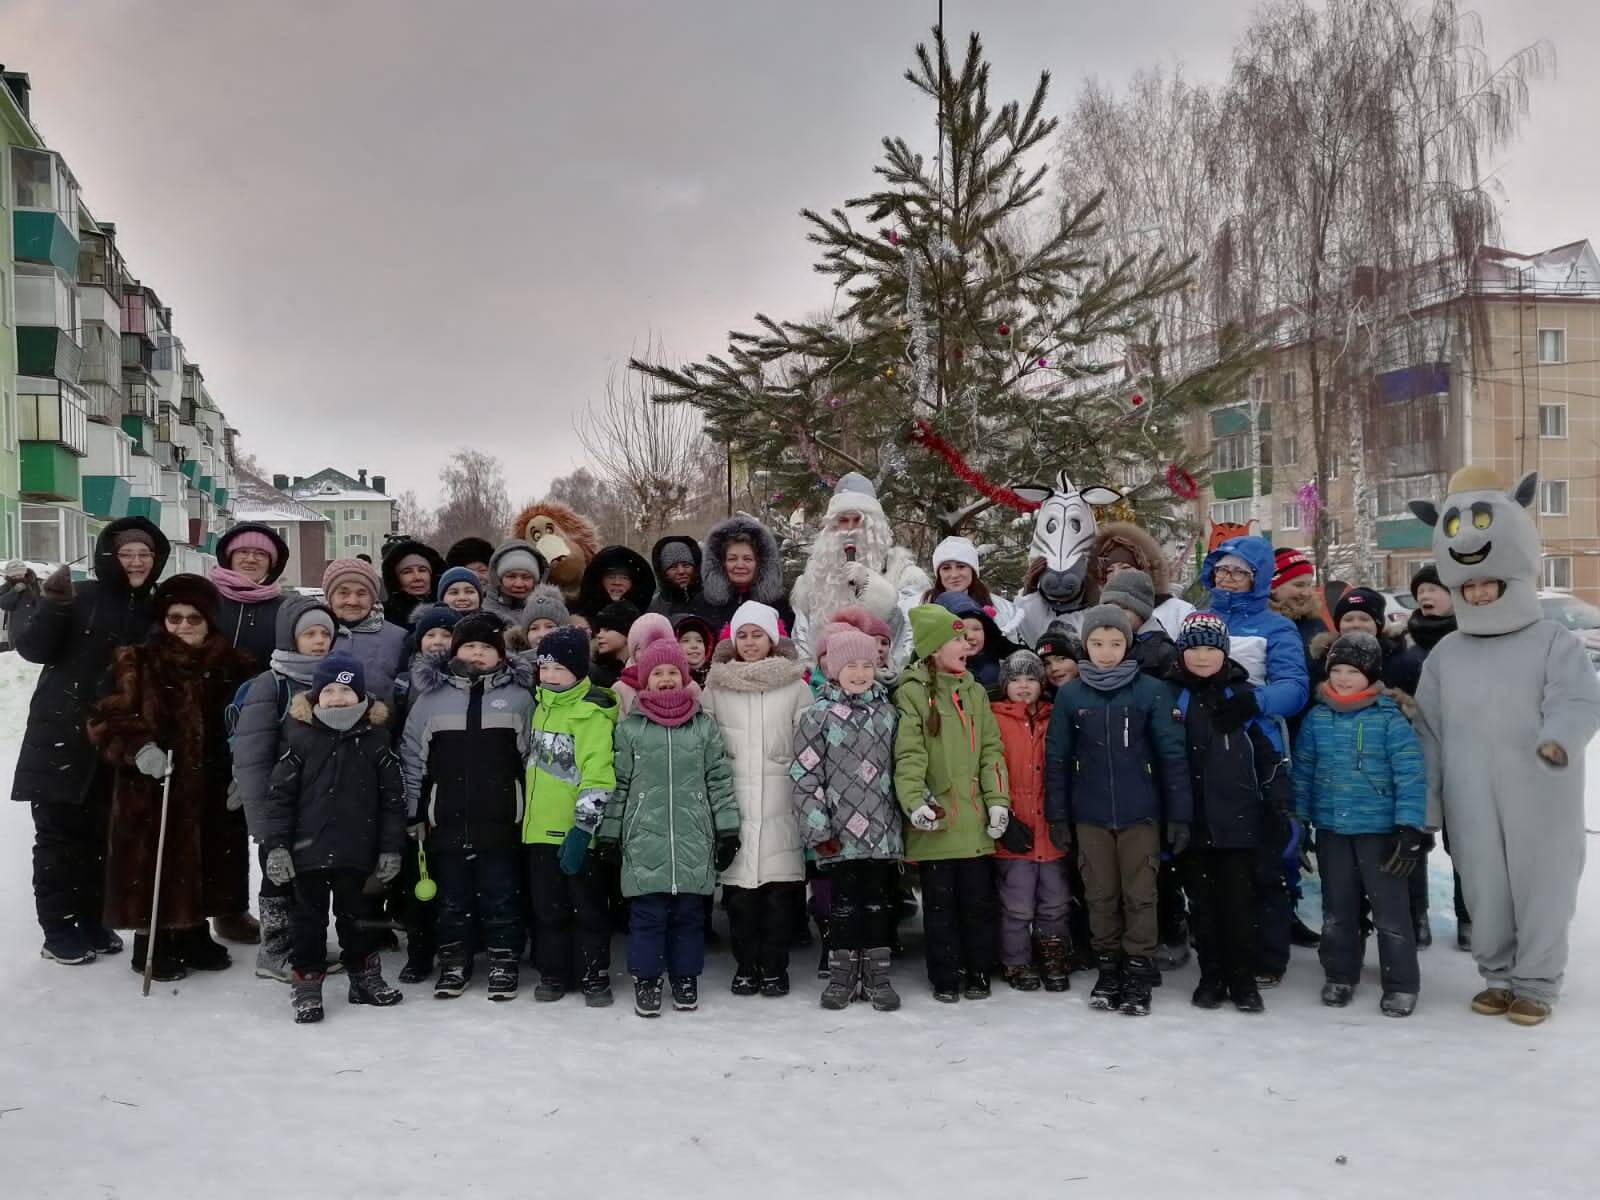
[{"x": 391, "y": 227}]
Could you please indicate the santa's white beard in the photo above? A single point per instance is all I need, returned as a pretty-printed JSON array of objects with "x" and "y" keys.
[{"x": 823, "y": 586}]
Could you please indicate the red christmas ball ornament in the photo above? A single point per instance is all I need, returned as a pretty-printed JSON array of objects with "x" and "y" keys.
[
  {"x": 1137, "y": 400},
  {"x": 1044, "y": 362},
  {"x": 1003, "y": 329},
  {"x": 891, "y": 237}
]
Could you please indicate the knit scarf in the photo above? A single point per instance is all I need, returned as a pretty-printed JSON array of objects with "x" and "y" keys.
[
  {"x": 1351, "y": 702},
  {"x": 1108, "y": 679},
  {"x": 674, "y": 707},
  {"x": 370, "y": 623},
  {"x": 291, "y": 664},
  {"x": 1428, "y": 631},
  {"x": 341, "y": 719},
  {"x": 238, "y": 588}
]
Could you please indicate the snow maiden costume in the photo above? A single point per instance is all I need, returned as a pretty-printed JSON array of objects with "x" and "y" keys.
[{"x": 1506, "y": 706}]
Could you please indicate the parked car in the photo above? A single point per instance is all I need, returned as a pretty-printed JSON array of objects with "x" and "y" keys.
[
  {"x": 1398, "y": 607},
  {"x": 1580, "y": 617}
]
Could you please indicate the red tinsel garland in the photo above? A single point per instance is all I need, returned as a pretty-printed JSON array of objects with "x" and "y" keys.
[
  {"x": 1181, "y": 483},
  {"x": 925, "y": 437}
]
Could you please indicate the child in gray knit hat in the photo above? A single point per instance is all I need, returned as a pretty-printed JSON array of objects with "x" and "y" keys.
[
  {"x": 544, "y": 611},
  {"x": 1133, "y": 591}
]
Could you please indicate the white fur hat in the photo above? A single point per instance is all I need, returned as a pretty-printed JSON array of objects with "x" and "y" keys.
[
  {"x": 854, "y": 493},
  {"x": 956, "y": 550},
  {"x": 752, "y": 612}
]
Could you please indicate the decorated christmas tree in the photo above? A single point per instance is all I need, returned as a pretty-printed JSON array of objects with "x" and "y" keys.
[{"x": 975, "y": 340}]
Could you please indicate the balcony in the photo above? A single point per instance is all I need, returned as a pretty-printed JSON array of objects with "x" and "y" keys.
[
  {"x": 102, "y": 403},
  {"x": 1235, "y": 485},
  {"x": 107, "y": 496},
  {"x": 49, "y": 471},
  {"x": 100, "y": 269},
  {"x": 53, "y": 413},
  {"x": 49, "y": 353}
]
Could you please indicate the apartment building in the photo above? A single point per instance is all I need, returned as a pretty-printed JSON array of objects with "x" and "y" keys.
[{"x": 360, "y": 515}]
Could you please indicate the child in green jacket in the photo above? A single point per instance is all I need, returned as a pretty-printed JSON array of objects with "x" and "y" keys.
[
  {"x": 950, "y": 779},
  {"x": 674, "y": 821},
  {"x": 570, "y": 777}
]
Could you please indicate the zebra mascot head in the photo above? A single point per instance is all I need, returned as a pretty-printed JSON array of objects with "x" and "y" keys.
[{"x": 1063, "y": 537}]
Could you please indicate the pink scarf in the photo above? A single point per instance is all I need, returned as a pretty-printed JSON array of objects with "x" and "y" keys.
[
  {"x": 671, "y": 708},
  {"x": 238, "y": 588}
]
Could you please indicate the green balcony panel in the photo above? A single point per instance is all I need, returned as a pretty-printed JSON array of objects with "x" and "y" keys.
[
  {"x": 106, "y": 496},
  {"x": 48, "y": 352},
  {"x": 189, "y": 467},
  {"x": 221, "y": 497},
  {"x": 211, "y": 543},
  {"x": 1228, "y": 421},
  {"x": 148, "y": 507},
  {"x": 49, "y": 472},
  {"x": 43, "y": 237},
  {"x": 1235, "y": 485},
  {"x": 1404, "y": 533},
  {"x": 202, "y": 483}
]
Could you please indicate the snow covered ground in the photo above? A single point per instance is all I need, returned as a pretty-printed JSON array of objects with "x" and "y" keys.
[{"x": 207, "y": 1088}]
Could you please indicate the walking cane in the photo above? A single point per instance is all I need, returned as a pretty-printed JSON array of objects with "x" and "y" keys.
[{"x": 155, "y": 894}]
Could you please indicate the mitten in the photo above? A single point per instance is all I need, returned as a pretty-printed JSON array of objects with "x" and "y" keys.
[
  {"x": 1177, "y": 837},
  {"x": 727, "y": 851},
  {"x": 280, "y": 865},
  {"x": 57, "y": 585},
  {"x": 1232, "y": 712},
  {"x": 151, "y": 760},
  {"x": 234, "y": 801},
  {"x": 925, "y": 817},
  {"x": 999, "y": 818},
  {"x": 574, "y": 849},
  {"x": 1018, "y": 838},
  {"x": 1061, "y": 836},
  {"x": 1404, "y": 852},
  {"x": 1553, "y": 753},
  {"x": 388, "y": 867}
]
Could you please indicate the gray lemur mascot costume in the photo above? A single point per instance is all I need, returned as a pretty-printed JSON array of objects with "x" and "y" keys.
[
  {"x": 1506, "y": 706},
  {"x": 854, "y": 561}
]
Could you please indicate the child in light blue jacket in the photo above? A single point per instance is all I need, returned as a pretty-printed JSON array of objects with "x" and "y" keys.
[{"x": 1359, "y": 780}]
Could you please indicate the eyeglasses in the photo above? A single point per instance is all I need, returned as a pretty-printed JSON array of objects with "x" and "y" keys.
[
  {"x": 1231, "y": 573},
  {"x": 135, "y": 556},
  {"x": 185, "y": 619}
]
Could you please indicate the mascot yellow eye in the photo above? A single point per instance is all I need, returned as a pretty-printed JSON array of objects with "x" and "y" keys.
[
  {"x": 1482, "y": 520},
  {"x": 1452, "y": 526}
]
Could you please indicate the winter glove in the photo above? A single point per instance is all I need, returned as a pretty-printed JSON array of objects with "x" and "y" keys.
[
  {"x": 388, "y": 867},
  {"x": 574, "y": 849},
  {"x": 151, "y": 760},
  {"x": 57, "y": 585},
  {"x": 280, "y": 865},
  {"x": 1061, "y": 836},
  {"x": 235, "y": 801},
  {"x": 727, "y": 851},
  {"x": 1177, "y": 837},
  {"x": 16, "y": 571},
  {"x": 1018, "y": 838},
  {"x": 417, "y": 830},
  {"x": 606, "y": 850},
  {"x": 1405, "y": 853},
  {"x": 1230, "y": 713},
  {"x": 999, "y": 818},
  {"x": 1553, "y": 754},
  {"x": 925, "y": 818}
]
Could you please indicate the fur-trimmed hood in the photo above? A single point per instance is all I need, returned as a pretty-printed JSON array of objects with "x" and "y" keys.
[
  {"x": 404, "y": 548},
  {"x": 280, "y": 548},
  {"x": 1146, "y": 550},
  {"x": 768, "y": 584},
  {"x": 301, "y": 709},
  {"x": 779, "y": 669},
  {"x": 430, "y": 672},
  {"x": 641, "y": 588}
]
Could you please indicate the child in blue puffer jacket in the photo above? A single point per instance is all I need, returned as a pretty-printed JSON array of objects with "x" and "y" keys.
[{"x": 1359, "y": 779}]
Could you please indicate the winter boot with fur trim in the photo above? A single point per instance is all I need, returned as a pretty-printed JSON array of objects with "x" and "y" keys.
[
  {"x": 875, "y": 983},
  {"x": 844, "y": 969},
  {"x": 1054, "y": 967},
  {"x": 368, "y": 986},
  {"x": 1525, "y": 1010},
  {"x": 1493, "y": 1002},
  {"x": 305, "y": 997},
  {"x": 272, "y": 959}
]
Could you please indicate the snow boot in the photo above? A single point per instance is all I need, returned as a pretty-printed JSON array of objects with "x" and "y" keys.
[
  {"x": 685, "y": 993},
  {"x": 1268, "y": 979},
  {"x": 101, "y": 940},
  {"x": 419, "y": 964},
  {"x": 774, "y": 986},
  {"x": 272, "y": 959},
  {"x": 1424, "y": 931},
  {"x": 238, "y": 927},
  {"x": 368, "y": 986},
  {"x": 1022, "y": 978},
  {"x": 947, "y": 991},
  {"x": 975, "y": 986},
  {"x": 1337, "y": 995},
  {"x": 168, "y": 965},
  {"x": 1525, "y": 1010},
  {"x": 844, "y": 969},
  {"x": 503, "y": 975},
  {"x": 1463, "y": 935},
  {"x": 548, "y": 991},
  {"x": 1210, "y": 992},
  {"x": 455, "y": 972},
  {"x": 824, "y": 969},
  {"x": 1302, "y": 935},
  {"x": 1245, "y": 995},
  {"x": 746, "y": 982},
  {"x": 1398, "y": 1004},
  {"x": 1170, "y": 956},
  {"x": 65, "y": 943},
  {"x": 1107, "y": 992},
  {"x": 1053, "y": 964},
  {"x": 1493, "y": 1002},
  {"x": 875, "y": 983},
  {"x": 647, "y": 996},
  {"x": 1139, "y": 977},
  {"x": 199, "y": 952},
  {"x": 305, "y": 996},
  {"x": 597, "y": 989}
]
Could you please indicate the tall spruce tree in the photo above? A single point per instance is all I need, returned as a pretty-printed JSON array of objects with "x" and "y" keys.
[{"x": 974, "y": 324}]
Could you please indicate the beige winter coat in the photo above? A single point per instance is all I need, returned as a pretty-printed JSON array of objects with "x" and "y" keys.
[{"x": 757, "y": 705}]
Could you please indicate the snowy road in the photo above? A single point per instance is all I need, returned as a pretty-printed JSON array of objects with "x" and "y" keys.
[{"x": 207, "y": 1088}]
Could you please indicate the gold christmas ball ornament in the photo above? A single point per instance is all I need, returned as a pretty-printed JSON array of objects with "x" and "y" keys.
[{"x": 888, "y": 373}]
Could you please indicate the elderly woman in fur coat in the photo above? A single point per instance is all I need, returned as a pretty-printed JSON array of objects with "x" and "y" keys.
[{"x": 164, "y": 710}]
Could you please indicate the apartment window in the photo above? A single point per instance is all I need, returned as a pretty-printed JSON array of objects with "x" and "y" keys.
[
  {"x": 53, "y": 534},
  {"x": 1289, "y": 517},
  {"x": 1393, "y": 495},
  {"x": 46, "y": 297},
  {"x": 355, "y": 541},
  {"x": 1286, "y": 386},
  {"x": 281, "y": 530},
  {"x": 1230, "y": 453},
  {"x": 1333, "y": 466},
  {"x": 40, "y": 181},
  {"x": 1230, "y": 512},
  {"x": 1552, "y": 420},
  {"x": 1552, "y": 497},
  {"x": 1335, "y": 531},
  {"x": 1291, "y": 451},
  {"x": 53, "y": 417},
  {"x": 355, "y": 514},
  {"x": 1552, "y": 345},
  {"x": 1556, "y": 574}
]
